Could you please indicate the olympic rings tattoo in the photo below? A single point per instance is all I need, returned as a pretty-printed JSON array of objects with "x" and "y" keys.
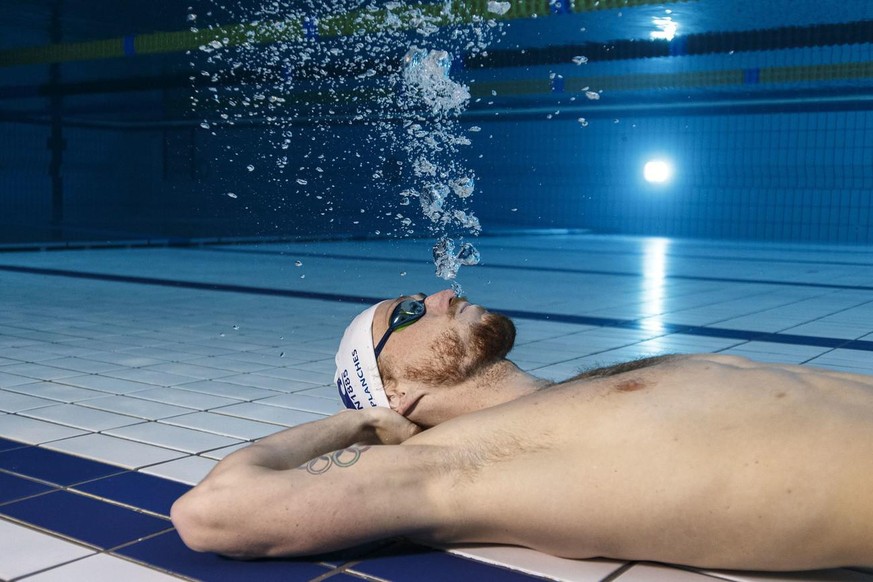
[{"x": 341, "y": 458}]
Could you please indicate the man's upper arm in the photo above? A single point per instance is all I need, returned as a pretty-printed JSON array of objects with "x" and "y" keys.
[{"x": 337, "y": 500}]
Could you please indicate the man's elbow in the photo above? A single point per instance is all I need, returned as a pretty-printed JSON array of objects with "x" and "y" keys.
[
  {"x": 208, "y": 521},
  {"x": 204, "y": 527},
  {"x": 192, "y": 523}
]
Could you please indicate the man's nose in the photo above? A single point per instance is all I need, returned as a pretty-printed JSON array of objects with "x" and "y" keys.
[{"x": 439, "y": 302}]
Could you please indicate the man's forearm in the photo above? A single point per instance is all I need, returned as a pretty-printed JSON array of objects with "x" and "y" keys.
[{"x": 295, "y": 446}]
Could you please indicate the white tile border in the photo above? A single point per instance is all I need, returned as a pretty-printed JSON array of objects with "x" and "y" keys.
[
  {"x": 33, "y": 550},
  {"x": 539, "y": 564},
  {"x": 102, "y": 567}
]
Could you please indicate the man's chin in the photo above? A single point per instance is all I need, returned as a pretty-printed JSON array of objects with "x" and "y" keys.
[
  {"x": 496, "y": 337},
  {"x": 419, "y": 418}
]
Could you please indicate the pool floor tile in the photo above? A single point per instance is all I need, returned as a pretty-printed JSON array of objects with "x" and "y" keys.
[
  {"x": 33, "y": 550},
  {"x": 168, "y": 552},
  {"x": 407, "y": 562},
  {"x": 137, "y": 490},
  {"x": 8, "y": 445},
  {"x": 13, "y": 488},
  {"x": 102, "y": 567},
  {"x": 85, "y": 519},
  {"x": 53, "y": 466},
  {"x": 763, "y": 300}
]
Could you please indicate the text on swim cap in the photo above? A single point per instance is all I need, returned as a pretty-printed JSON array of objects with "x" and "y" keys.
[
  {"x": 360, "y": 372},
  {"x": 347, "y": 392}
]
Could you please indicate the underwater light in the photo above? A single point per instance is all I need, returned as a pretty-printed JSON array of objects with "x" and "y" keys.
[
  {"x": 666, "y": 28},
  {"x": 657, "y": 171}
]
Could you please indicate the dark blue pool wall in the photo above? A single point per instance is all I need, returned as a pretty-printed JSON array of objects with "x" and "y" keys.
[{"x": 766, "y": 121}]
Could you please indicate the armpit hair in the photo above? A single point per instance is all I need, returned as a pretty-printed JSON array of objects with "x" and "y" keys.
[
  {"x": 596, "y": 372},
  {"x": 465, "y": 462}
]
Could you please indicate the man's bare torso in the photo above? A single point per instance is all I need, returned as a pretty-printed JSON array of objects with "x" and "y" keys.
[{"x": 707, "y": 460}]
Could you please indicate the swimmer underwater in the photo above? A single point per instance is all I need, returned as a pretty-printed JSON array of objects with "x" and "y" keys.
[{"x": 704, "y": 460}]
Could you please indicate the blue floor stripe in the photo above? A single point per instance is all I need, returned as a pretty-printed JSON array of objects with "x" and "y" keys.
[
  {"x": 41, "y": 498},
  {"x": 536, "y": 269},
  {"x": 192, "y": 285},
  {"x": 748, "y": 335},
  {"x": 697, "y": 330}
]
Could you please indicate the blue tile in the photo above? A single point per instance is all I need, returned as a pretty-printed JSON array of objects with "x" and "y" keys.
[
  {"x": 138, "y": 490},
  {"x": 168, "y": 552},
  {"x": 53, "y": 466},
  {"x": 353, "y": 554},
  {"x": 7, "y": 445},
  {"x": 420, "y": 564},
  {"x": 92, "y": 521},
  {"x": 12, "y": 488}
]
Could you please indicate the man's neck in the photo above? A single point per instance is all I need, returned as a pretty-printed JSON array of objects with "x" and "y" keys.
[{"x": 500, "y": 382}]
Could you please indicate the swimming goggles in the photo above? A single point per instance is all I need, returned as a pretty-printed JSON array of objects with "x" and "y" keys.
[{"x": 406, "y": 313}]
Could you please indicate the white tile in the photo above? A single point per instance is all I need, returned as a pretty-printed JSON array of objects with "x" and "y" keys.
[
  {"x": 189, "y": 470},
  {"x": 660, "y": 573},
  {"x": 186, "y": 398},
  {"x": 324, "y": 367},
  {"x": 172, "y": 437},
  {"x": 219, "y": 454},
  {"x": 851, "y": 369},
  {"x": 269, "y": 383},
  {"x": 16, "y": 402},
  {"x": 305, "y": 403},
  {"x": 100, "y": 568},
  {"x": 39, "y": 371},
  {"x": 196, "y": 349},
  {"x": 9, "y": 380},
  {"x": 145, "y": 409},
  {"x": 540, "y": 564},
  {"x": 273, "y": 414},
  {"x": 31, "y": 431},
  {"x": 106, "y": 384},
  {"x": 25, "y": 355},
  {"x": 32, "y": 550},
  {"x": 152, "y": 377},
  {"x": 231, "y": 426},
  {"x": 190, "y": 370},
  {"x": 328, "y": 392},
  {"x": 835, "y": 575},
  {"x": 58, "y": 392},
  {"x": 296, "y": 375},
  {"x": 229, "y": 364},
  {"x": 81, "y": 417},
  {"x": 156, "y": 353},
  {"x": 81, "y": 365},
  {"x": 124, "y": 359},
  {"x": 115, "y": 451},
  {"x": 236, "y": 391}
]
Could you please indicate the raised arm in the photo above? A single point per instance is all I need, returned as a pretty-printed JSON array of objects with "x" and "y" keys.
[{"x": 313, "y": 488}]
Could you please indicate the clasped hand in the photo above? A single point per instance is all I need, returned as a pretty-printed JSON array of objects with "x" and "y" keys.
[{"x": 387, "y": 427}]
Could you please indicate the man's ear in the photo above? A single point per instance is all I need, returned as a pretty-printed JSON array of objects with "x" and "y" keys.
[{"x": 393, "y": 392}]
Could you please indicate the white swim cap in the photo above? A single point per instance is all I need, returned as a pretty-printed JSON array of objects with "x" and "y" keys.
[{"x": 357, "y": 374}]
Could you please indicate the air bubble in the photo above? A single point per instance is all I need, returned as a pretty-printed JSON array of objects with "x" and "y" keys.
[{"x": 499, "y": 8}]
